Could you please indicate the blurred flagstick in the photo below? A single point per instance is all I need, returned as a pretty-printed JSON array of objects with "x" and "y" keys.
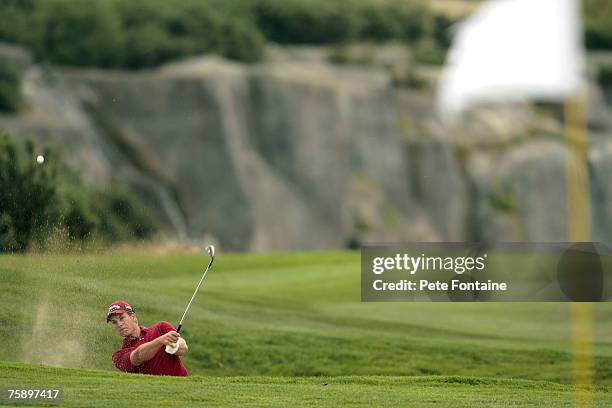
[
  {"x": 514, "y": 50},
  {"x": 578, "y": 193},
  {"x": 579, "y": 230}
]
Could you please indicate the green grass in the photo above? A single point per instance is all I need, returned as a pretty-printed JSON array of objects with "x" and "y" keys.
[
  {"x": 289, "y": 317},
  {"x": 95, "y": 388}
]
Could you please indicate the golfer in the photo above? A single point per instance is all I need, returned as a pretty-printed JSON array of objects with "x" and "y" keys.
[{"x": 143, "y": 349}]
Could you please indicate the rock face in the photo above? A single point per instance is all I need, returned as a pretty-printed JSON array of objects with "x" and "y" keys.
[
  {"x": 286, "y": 155},
  {"x": 520, "y": 194}
]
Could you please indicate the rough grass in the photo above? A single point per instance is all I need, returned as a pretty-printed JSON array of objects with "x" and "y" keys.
[{"x": 96, "y": 388}]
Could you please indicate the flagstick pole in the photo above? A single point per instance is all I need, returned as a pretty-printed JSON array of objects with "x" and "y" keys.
[
  {"x": 578, "y": 195},
  {"x": 579, "y": 230}
]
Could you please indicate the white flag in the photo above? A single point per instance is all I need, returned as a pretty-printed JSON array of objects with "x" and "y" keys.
[{"x": 512, "y": 50}]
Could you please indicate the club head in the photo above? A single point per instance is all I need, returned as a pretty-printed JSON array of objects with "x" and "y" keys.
[{"x": 210, "y": 250}]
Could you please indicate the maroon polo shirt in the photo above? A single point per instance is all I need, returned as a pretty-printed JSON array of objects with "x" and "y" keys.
[{"x": 161, "y": 364}]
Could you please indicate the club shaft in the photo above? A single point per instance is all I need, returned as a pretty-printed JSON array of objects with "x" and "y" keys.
[{"x": 195, "y": 292}]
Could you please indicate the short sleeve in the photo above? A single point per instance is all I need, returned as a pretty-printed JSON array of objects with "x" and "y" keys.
[
  {"x": 164, "y": 327},
  {"x": 121, "y": 359}
]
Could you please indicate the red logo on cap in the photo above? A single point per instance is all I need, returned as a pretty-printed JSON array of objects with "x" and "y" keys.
[
  {"x": 113, "y": 307},
  {"x": 118, "y": 306}
]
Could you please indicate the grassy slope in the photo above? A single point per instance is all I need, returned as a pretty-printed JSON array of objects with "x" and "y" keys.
[
  {"x": 280, "y": 315},
  {"x": 94, "y": 388}
]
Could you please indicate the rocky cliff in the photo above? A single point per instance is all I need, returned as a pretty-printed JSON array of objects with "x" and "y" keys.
[{"x": 302, "y": 154}]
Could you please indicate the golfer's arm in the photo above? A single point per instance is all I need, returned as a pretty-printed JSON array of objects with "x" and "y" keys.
[
  {"x": 182, "y": 350},
  {"x": 145, "y": 352}
]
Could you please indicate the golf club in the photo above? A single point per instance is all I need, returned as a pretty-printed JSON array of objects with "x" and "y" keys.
[{"x": 210, "y": 250}]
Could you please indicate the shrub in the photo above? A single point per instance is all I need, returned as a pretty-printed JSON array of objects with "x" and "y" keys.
[
  {"x": 38, "y": 199},
  {"x": 429, "y": 55},
  {"x": 159, "y": 31},
  {"x": 79, "y": 220},
  {"x": 148, "y": 41},
  {"x": 28, "y": 195},
  {"x": 598, "y": 24},
  {"x": 441, "y": 30},
  {"x": 129, "y": 34},
  {"x": 241, "y": 41},
  {"x": 393, "y": 20},
  {"x": 411, "y": 18},
  {"x": 78, "y": 32},
  {"x": 598, "y": 35},
  {"x": 380, "y": 24},
  {"x": 122, "y": 216},
  {"x": 10, "y": 84},
  {"x": 15, "y": 17},
  {"x": 145, "y": 33},
  {"x": 503, "y": 199},
  {"x": 604, "y": 76},
  {"x": 308, "y": 21}
]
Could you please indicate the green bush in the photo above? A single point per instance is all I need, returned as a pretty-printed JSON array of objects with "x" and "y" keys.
[
  {"x": 145, "y": 33},
  {"x": 8, "y": 238},
  {"x": 159, "y": 31},
  {"x": 332, "y": 22},
  {"x": 429, "y": 55},
  {"x": 28, "y": 195},
  {"x": 241, "y": 41},
  {"x": 598, "y": 35},
  {"x": 129, "y": 34},
  {"x": 308, "y": 21},
  {"x": 598, "y": 24},
  {"x": 79, "y": 220},
  {"x": 503, "y": 199},
  {"x": 441, "y": 30},
  {"x": 604, "y": 76},
  {"x": 36, "y": 200},
  {"x": 122, "y": 216},
  {"x": 10, "y": 84},
  {"x": 379, "y": 23},
  {"x": 154, "y": 32},
  {"x": 214, "y": 28},
  {"x": 16, "y": 15},
  {"x": 393, "y": 21},
  {"x": 78, "y": 32}
]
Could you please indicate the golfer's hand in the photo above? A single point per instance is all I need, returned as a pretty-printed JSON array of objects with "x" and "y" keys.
[
  {"x": 172, "y": 349},
  {"x": 169, "y": 339},
  {"x": 180, "y": 348}
]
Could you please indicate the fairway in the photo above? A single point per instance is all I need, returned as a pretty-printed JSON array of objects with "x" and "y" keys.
[
  {"x": 103, "y": 389},
  {"x": 272, "y": 329}
]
